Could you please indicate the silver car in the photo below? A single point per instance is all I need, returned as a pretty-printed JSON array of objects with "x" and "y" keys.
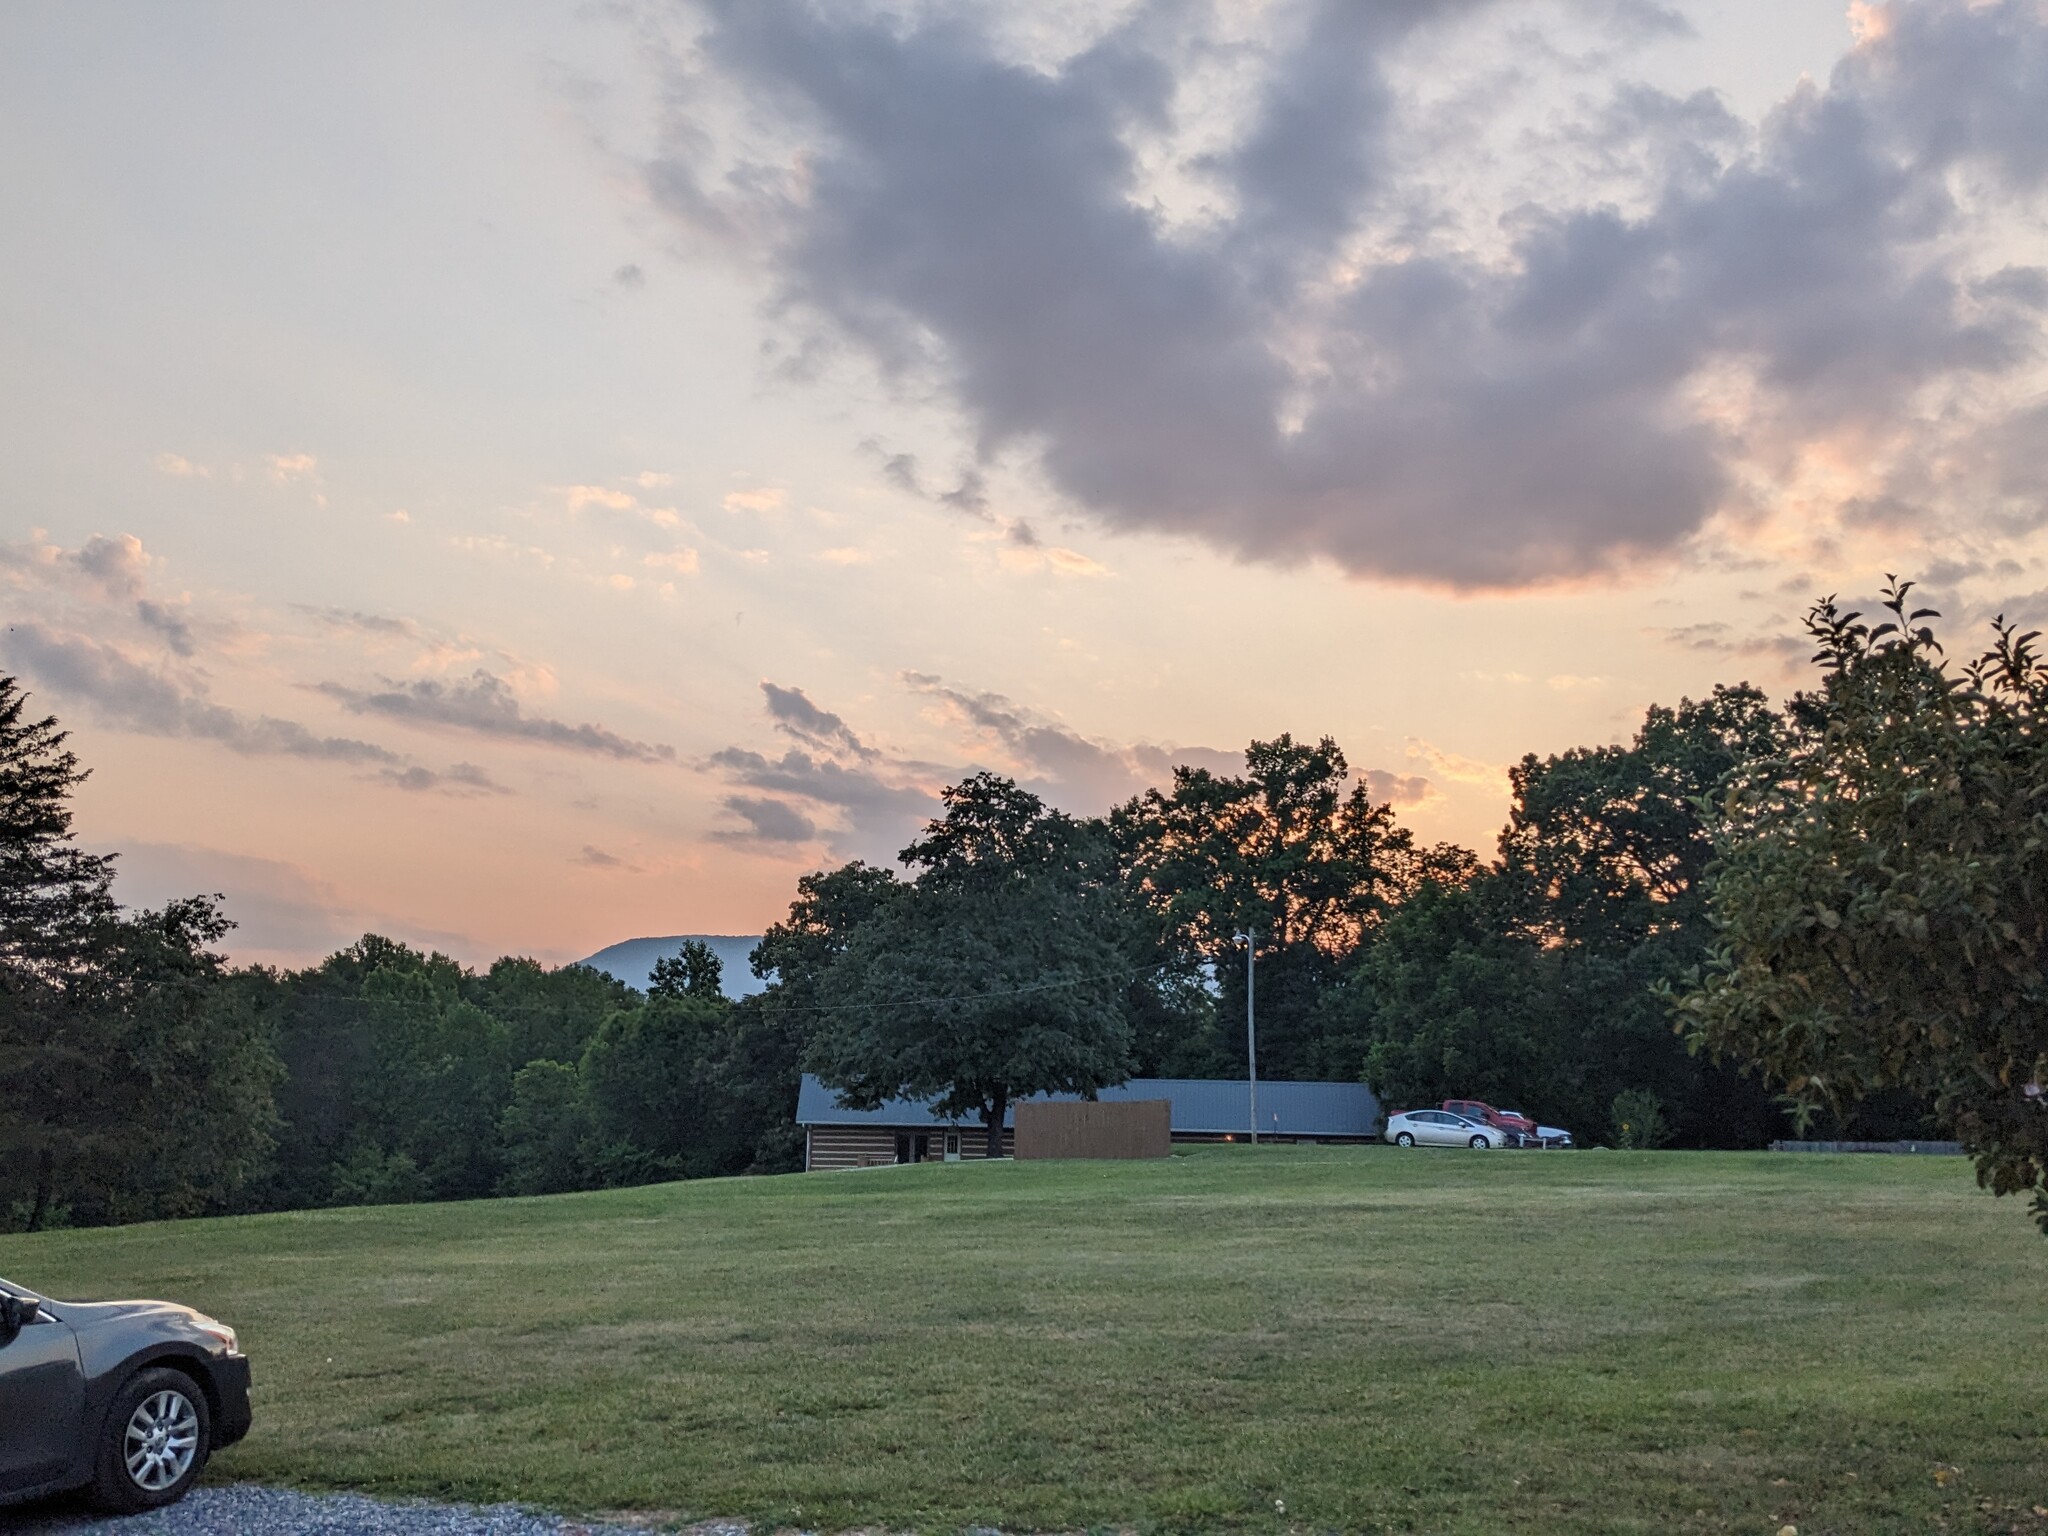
[{"x": 1441, "y": 1128}]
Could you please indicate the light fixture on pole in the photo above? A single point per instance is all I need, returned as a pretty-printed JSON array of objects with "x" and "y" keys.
[{"x": 1251, "y": 1029}]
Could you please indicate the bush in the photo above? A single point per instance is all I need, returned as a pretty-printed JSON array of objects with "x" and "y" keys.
[{"x": 1639, "y": 1122}]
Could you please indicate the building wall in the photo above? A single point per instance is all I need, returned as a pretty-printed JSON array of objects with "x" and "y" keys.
[{"x": 868, "y": 1146}]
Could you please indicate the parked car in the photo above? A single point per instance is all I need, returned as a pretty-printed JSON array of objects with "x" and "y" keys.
[
  {"x": 126, "y": 1398},
  {"x": 1540, "y": 1135},
  {"x": 1519, "y": 1128},
  {"x": 1441, "y": 1128}
]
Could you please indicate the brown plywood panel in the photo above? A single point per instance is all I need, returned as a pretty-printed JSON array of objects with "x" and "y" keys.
[{"x": 1133, "y": 1128}]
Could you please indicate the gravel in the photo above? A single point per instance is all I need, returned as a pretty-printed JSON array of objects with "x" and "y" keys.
[{"x": 248, "y": 1511}]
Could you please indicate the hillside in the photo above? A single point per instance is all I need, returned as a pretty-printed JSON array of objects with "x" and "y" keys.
[
  {"x": 1446, "y": 1342},
  {"x": 632, "y": 961}
]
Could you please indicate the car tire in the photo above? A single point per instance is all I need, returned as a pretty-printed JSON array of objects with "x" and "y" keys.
[
  {"x": 1479, "y": 1144},
  {"x": 154, "y": 1443},
  {"x": 1404, "y": 1140}
]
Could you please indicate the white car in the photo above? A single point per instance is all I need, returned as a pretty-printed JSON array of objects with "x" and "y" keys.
[
  {"x": 1441, "y": 1128},
  {"x": 1546, "y": 1135}
]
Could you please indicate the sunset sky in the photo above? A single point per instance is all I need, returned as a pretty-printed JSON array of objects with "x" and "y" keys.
[{"x": 519, "y": 476}]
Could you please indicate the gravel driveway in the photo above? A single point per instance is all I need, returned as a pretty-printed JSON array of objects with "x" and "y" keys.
[{"x": 248, "y": 1511}]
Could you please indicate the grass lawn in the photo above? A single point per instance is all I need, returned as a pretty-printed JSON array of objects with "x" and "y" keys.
[{"x": 1377, "y": 1340}]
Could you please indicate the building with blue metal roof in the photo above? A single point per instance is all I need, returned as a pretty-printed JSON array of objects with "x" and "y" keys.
[{"x": 1204, "y": 1109}]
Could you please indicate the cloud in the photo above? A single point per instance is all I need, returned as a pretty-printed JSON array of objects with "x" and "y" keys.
[
  {"x": 767, "y": 821},
  {"x": 762, "y": 498},
  {"x": 282, "y": 914},
  {"x": 133, "y": 697},
  {"x": 795, "y": 715},
  {"x": 483, "y": 704},
  {"x": 581, "y": 496},
  {"x": 1332, "y": 358},
  {"x": 1458, "y": 769},
  {"x": 287, "y": 467},
  {"x": 596, "y": 858},
  {"x": 630, "y": 276},
  {"x": 1396, "y": 788},
  {"x": 462, "y": 779},
  {"x": 180, "y": 467},
  {"x": 876, "y": 800},
  {"x": 1080, "y": 773}
]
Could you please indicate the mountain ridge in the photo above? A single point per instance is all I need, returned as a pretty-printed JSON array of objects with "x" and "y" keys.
[{"x": 632, "y": 960}]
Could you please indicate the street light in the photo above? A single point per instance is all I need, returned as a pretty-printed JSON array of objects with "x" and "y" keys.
[{"x": 1251, "y": 1029}]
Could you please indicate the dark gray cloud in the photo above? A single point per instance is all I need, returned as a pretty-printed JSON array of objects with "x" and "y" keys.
[
  {"x": 868, "y": 795},
  {"x": 767, "y": 821},
  {"x": 483, "y": 704},
  {"x": 795, "y": 715},
  {"x": 1438, "y": 413}
]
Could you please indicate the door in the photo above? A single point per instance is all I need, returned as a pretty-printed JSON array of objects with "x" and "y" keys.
[
  {"x": 42, "y": 1399},
  {"x": 1439, "y": 1130},
  {"x": 952, "y": 1146}
]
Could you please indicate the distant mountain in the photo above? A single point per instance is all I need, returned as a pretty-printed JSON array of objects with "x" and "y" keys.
[{"x": 633, "y": 961}]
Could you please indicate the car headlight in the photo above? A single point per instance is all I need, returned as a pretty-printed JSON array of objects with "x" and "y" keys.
[{"x": 229, "y": 1343}]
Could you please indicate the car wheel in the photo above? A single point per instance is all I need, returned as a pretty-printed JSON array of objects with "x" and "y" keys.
[
  {"x": 155, "y": 1443},
  {"x": 1404, "y": 1140},
  {"x": 1479, "y": 1143}
]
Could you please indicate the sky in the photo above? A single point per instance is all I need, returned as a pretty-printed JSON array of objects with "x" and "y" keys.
[{"x": 519, "y": 476}]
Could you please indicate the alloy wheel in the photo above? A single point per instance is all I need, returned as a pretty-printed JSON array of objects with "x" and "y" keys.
[{"x": 162, "y": 1440}]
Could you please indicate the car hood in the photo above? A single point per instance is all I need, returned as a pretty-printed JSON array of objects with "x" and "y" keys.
[{"x": 86, "y": 1315}]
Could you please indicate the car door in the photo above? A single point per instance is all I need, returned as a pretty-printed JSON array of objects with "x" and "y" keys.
[
  {"x": 42, "y": 1404},
  {"x": 1432, "y": 1130}
]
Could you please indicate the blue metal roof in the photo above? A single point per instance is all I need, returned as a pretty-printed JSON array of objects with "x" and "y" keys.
[{"x": 1200, "y": 1106}]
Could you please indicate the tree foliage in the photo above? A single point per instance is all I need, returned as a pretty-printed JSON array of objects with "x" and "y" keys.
[
  {"x": 1286, "y": 853},
  {"x": 998, "y": 974},
  {"x": 1880, "y": 890}
]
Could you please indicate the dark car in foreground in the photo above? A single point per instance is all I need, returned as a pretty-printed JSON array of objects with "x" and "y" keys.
[{"x": 125, "y": 1398}]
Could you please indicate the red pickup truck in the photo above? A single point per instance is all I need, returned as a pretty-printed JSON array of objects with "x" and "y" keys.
[{"x": 1520, "y": 1129}]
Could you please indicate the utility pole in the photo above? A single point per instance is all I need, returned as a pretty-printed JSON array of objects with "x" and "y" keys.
[{"x": 1251, "y": 1028}]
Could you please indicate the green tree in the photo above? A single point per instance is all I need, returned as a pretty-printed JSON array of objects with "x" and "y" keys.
[
  {"x": 1287, "y": 853},
  {"x": 650, "y": 1075},
  {"x": 999, "y": 974},
  {"x": 138, "y": 1081},
  {"x": 1880, "y": 892},
  {"x": 693, "y": 971},
  {"x": 547, "y": 1131},
  {"x": 1451, "y": 1001},
  {"x": 1606, "y": 851},
  {"x": 763, "y": 1065}
]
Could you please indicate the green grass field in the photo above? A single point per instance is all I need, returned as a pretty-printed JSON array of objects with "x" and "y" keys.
[{"x": 1375, "y": 1340}]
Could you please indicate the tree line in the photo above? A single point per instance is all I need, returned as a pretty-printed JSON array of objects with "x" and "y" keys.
[{"x": 1740, "y": 921}]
